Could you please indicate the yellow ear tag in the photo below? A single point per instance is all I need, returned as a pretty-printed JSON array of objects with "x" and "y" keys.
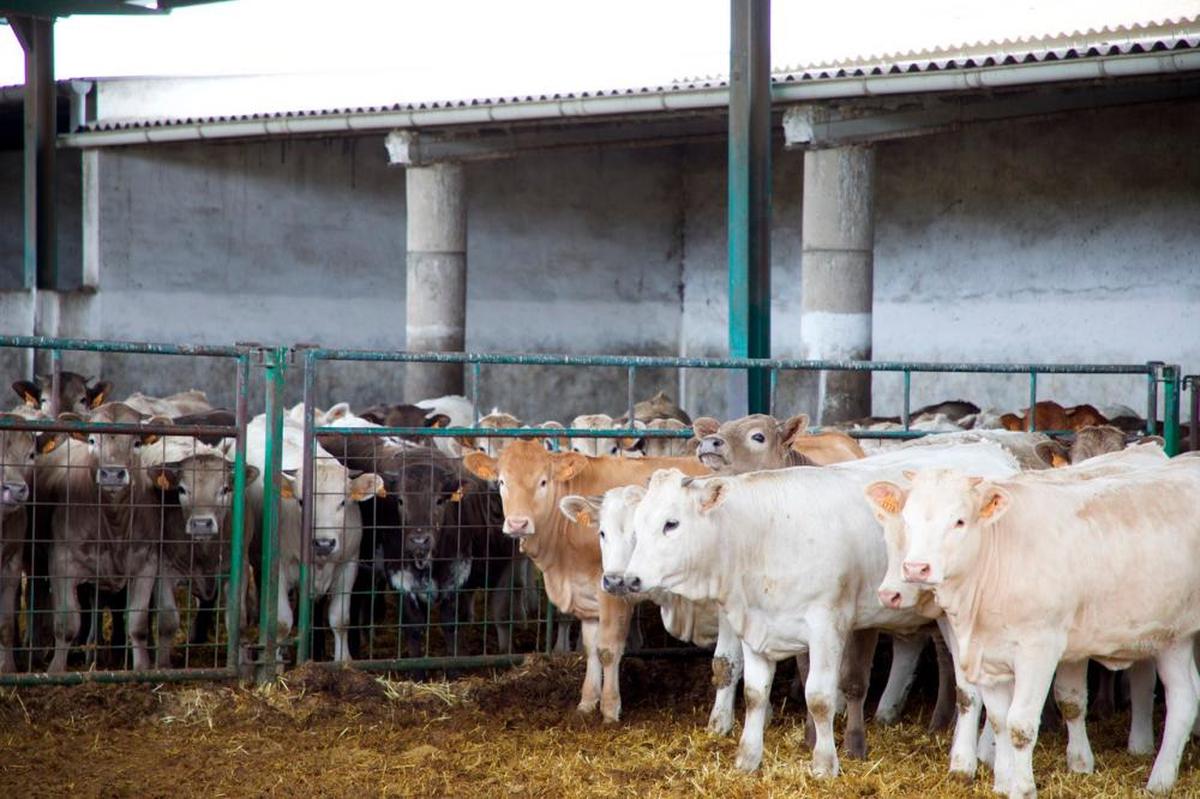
[
  {"x": 97, "y": 400},
  {"x": 381, "y": 492},
  {"x": 890, "y": 504},
  {"x": 162, "y": 482},
  {"x": 457, "y": 496},
  {"x": 1058, "y": 461},
  {"x": 285, "y": 491},
  {"x": 31, "y": 400},
  {"x": 150, "y": 439},
  {"x": 50, "y": 445}
]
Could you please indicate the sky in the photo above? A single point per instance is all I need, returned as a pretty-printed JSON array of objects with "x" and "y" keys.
[{"x": 470, "y": 48}]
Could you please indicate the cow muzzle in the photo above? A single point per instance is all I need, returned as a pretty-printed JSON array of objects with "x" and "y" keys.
[
  {"x": 518, "y": 526},
  {"x": 891, "y": 598},
  {"x": 112, "y": 477},
  {"x": 614, "y": 584},
  {"x": 712, "y": 452},
  {"x": 324, "y": 547},
  {"x": 202, "y": 526},
  {"x": 14, "y": 492},
  {"x": 633, "y": 584},
  {"x": 420, "y": 548},
  {"x": 917, "y": 572}
]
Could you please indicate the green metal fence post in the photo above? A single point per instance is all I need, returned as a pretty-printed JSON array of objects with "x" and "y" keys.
[
  {"x": 1194, "y": 417},
  {"x": 237, "y": 558},
  {"x": 1031, "y": 422},
  {"x": 274, "y": 360},
  {"x": 304, "y": 589},
  {"x": 1170, "y": 377},
  {"x": 906, "y": 411},
  {"x": 1153, "y": 369}
]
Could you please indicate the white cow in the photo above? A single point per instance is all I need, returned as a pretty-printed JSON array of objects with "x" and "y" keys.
[
  {"x": 1041, "y": 572},
  {"x": 696, "y": 622},
  {"x": 805, "y": 579},
  {"x": 337, "y": 524}
]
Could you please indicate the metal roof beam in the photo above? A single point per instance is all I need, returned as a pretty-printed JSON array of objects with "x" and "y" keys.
[{"x": 820, "y": 126}]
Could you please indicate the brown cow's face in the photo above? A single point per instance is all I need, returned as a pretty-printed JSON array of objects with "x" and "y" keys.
[
  {"x": 114, "y": 457},
  {"x": 75, "y": 393},
  {"x": 531, "y": 482},
  {"x": 749, "y": 444},
  {"x": 204, "y": 485},
  {"x": 18, "y": 449}
]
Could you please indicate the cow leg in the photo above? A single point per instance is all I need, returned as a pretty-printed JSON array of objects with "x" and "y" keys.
[
  {"x": 945, "y": 710},
  {"x": 1033, "y": 671},
  {"x": 64, "y": 588},
  {"x": 1177, "y": 670},
  {"x": 1104, "y": 704},
  {"x": 796, "y": 689},
  {"x": 963, "y": 751},
  {"x": 10, "y": 585},
  {"x": 500, "y": 608},
  {"x": 203, "y": 621},
  {"x": 339, "y": 609},
  {"x": 141, "y": 590},
  {"x": 590, "y": 694},
  {"x": 614, "y": 630},
  {"x": 562, "y": 640},
  {"x": 997, "y": 699},
  {"x": 1070, "y": 693},
  {"x": 727, "y": 672},
  {"x": 758, "y": 674},
  {"x": 906, "y": 649},
  {"x": 1143, "y": 677},
  {"x": 855, "y": 675},
  {"x": 825, "y": 647},
  {"x": 168, "y": 621}
]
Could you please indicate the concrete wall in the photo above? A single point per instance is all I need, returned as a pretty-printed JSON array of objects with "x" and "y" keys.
[{"x": 1063, "y": 240}]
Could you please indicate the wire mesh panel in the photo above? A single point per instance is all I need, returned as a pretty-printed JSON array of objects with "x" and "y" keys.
[{"x": 124, "y": 526}]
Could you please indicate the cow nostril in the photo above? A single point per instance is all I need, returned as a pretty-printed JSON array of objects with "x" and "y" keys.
[
  {"x": 717, "y": 443},
  {"x": 635, "y": 584}
]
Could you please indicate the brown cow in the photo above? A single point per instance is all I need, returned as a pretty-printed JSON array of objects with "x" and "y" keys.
[
  {"x": 532, "y": 482},
  {"x": 758, "y": 442},
  {"x": 76, "y": 393},
  {"x": 1088, "y": 443},
  {"x": 660, "y": 406},
  {"x": 108, "y": 530},
  {"x": 1049, "y": 415}
]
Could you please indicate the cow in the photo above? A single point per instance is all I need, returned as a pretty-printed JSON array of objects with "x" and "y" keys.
[
  {"x": 759, "y": 441},
  {"x": 657, "y": 446},
  {"x": 660, "y": 406},
  {"x": 182, "y": 404},
  {"x": 994, "y": 551},
  {"x": 532, "y": 481},
  {"x": 337, "y": 525},
  {"x": 1089, "y": 442},
  {"x": 1049, "y": 415},
  {"x": 1027, "y": 448},
  {"x": 596, "y": 447},
  {"x": 107, "y": 531},
  {"x": 196, "y": 482},
  {"x": 19, "y": 450},
  {"x": 611, "y": 516},
  {"x": 805, "y": 580},
  {"x": 77, "y": 394},
  {"x": 490, "y": 446},
  {"x": 886, "y": 500}
]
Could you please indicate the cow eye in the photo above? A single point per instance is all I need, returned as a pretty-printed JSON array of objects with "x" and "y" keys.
[
  {"x": 543, "y": 483},
  {"x": 91, "y": 441},
  {"x": 33, "y": 455},
  {"x": 137, "y": 444},
  {"x": 342, "y": 504},
  {"x": 226, "y": 489},
  {"x": 500, "y": 482},
  {"x": 182, "y": 489},
  {"x": 669, "y": 525},
  {"x": 613, "y": 451},
  {"x": 601, "y": 535},
  {"x": 960, "y": 523},
  {"x": 759, "y": 437}
]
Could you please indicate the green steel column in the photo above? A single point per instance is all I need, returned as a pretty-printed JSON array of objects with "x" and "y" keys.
[
  {"x": 304, "y": 590},
  {"x": 750, "y": 192},
  {"x": 268, "y": 590},
  {"x": 1170, "y": 378},
  {"x": 237, "y": 543}
]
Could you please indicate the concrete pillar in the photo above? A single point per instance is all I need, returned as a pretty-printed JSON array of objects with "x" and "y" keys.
[
  {"x": 837, "y": 262},
  {"x": 436, "y": 298}
]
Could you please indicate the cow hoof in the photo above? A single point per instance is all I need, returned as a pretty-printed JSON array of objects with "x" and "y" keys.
[
  {"x": 1159, "y": 784},
  {"x": 614, "y": 718},
  {"x": 720, "y": 723},
  {"x": 887, "y": 717},
  {"x": 587, "y": 708},
  {"x": 747, "y": 762},
  {"x": 1022, "y": 792},
  {"x": 1080, "y": 762},
  {"x": 824, "y": 768},
  {"x": 1141, "y": 745},
  {"x": 962, "y": 774}
]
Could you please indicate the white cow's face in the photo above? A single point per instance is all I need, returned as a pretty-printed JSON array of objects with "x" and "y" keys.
[
  {"x": 335, "y": 504},
  {"x": 595, "y": 447},
  {"x": 944, "y": 517},
  {"x": 675, "y": 525},
  {"x": 887, "y": 500},
  {"x": 611, "y": 518}
]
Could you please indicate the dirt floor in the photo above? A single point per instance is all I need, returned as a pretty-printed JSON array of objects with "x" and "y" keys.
[{"x": 503, "y": 733}]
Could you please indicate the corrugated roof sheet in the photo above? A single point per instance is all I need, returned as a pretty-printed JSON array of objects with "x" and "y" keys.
[{"x": 1142, "y": 38}]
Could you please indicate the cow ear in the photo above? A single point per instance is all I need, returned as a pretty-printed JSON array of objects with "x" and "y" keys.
[
  {"x": 150, "y": 438},
  {"x": 366, "y": 486},
  {"x": 909, "y": 474},
  {"x": 481, "y": 465},
  {"x": 568, "y": 465},
  {"x": 78, "y": 435},
  {"x": 994, "y": 503},
  {"x": 438, "y": 420},
  {"x": 1052, "y": 454},
  {"x": 48, "y": 442},
  {"x": 251, "y": 473},
  {"x": 165, "y": 476},
  {"x": 30, "y": 393},
  {"x": 634, "y": 494},
  {"x": 793, "y": 428},
  {"x": 1138, "y": 440},
  {"x": 705, "y": 426},
  {"x": 581, "y": 510},
  {"x": 554, "y": 443},
  {"x": 97, "y": 392},
  {"x": 712, "y": 494},
  {"x": 336, "y": 413},
  {"x": 468, "y": 444},
  {"x": 885, "y": 497}
]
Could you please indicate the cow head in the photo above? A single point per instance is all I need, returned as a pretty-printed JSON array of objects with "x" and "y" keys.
[
  {"x": 946, "y": 515},
  {"x": 496, "y": 420},
  {"x": 18, "y": 454},
  {"x": 595, "y": 447},
  {"x": 424, "y": 491},
  {"x": 76, "y": 393},
  {"x": 887, "y": 502},
  {"x": 655, "y": 447},
  {"x": 336, "y": 494},
  {"x": 531, "y": 480},
  {"x": 114, "y": 458},
  {"x": 612, "y": 518},
  {"x": 676, "y": 528},
  {"x": 752, "y": 443},
  {"x": 1088, "y": 442},
  {"x": 203, "y": 486}
]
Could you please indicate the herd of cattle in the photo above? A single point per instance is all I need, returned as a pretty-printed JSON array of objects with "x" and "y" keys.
[{"x": 1019, "y": 555}]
